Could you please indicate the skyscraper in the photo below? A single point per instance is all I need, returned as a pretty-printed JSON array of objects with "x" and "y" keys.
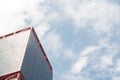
[{"x": 23, "y": 58}]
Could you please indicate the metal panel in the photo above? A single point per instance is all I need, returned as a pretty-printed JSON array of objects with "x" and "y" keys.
[
  {"x": 12, "y": 50},
  {"x": 35, "y": 67}
]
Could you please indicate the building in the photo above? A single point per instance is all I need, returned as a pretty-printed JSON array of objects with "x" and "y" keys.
[{"x": 23, "y": 58}]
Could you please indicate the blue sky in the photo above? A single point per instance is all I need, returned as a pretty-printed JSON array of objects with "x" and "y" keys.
[{"x": 81, "y": 37}]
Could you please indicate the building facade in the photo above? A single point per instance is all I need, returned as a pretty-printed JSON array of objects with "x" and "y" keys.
[{"x": 23, "y": 58}]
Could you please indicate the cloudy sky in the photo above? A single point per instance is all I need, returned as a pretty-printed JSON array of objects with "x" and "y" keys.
[{"x": 81, "y": 37}]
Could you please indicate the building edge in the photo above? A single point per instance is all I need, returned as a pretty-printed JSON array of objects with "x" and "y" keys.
[{"x": 38, "y": 41}]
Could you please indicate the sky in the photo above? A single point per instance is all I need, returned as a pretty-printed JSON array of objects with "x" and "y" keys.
[{"x": 80, "y": 37}]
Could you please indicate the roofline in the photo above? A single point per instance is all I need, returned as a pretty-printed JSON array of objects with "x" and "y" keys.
[
  {"x": 1, "y": 37},
  {"x": 31, "y": 28}
]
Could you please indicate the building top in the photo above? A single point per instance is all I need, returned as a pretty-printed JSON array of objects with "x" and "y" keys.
[{"x": 38, "y": 41}]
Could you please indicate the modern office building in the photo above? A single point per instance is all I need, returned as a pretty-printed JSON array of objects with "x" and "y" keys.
[{"x": 23, "y": 58}]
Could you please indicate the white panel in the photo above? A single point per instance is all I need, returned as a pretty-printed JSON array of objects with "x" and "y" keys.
[{"x": 12, "y": 50}]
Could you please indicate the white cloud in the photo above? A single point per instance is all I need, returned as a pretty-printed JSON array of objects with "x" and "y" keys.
[
  {"x": 99, "y": 58},
  {"x": 53, "y": 43},
  {"x": 98, "y": 15},
  {"x": 89, "y": 50},
  {"x": 82, "y": 59},
  {"x": 106, "y": 61},
  {"x": 69, "y": 54},
  {"x": 111, "y": 50},
  {"x": 13, "y": 14},
  {"x": 78, "y": 66},
  {"x": 11, "y": 7},
  {"x": 42, "y": 29},
  {"x": 118, "y": 65},
  {"x": 116, "y": 78},
  {"x": 70, "y": 77}
]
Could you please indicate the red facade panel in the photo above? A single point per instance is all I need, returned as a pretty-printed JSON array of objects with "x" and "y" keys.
[{"x": 13, "y": 76}]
